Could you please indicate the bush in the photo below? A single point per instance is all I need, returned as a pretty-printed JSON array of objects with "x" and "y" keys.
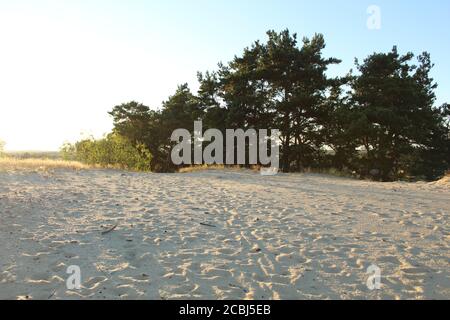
[{"x": 112, "y": 151}]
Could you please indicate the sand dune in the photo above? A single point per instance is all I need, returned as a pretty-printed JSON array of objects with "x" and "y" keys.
[{"x": 220, "y": 235}]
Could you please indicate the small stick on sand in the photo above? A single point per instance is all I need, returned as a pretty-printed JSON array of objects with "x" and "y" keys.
[
  {"x": 51, "y": 296},
  {"x": 110, "y": 230},
  {"x": 207, "y": 225}
]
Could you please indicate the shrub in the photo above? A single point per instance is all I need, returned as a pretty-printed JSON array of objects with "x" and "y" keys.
[{"x": 112, "y": 151}]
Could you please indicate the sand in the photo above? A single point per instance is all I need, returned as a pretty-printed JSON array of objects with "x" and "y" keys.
[{"x": 220, "y": 235}]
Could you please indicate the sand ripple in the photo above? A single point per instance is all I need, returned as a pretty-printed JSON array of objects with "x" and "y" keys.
[{"x": 220, "y": 235}]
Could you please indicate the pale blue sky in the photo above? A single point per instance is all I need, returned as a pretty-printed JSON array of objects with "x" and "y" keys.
[{"x": 64, "y": 64}]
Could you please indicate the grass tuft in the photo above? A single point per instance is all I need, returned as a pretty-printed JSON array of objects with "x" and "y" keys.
[{"x": 15, "y": 164}]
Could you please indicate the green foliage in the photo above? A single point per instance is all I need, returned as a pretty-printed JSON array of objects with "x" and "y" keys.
[
  {"x": 112, "y": 151},
  {"x": 276, "y": 84},
  {"x": 396, "y": 123},
  {"x": 380, "y": 123}
]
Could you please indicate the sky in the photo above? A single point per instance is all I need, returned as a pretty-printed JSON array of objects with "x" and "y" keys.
[{"x": 64, "y": 64}]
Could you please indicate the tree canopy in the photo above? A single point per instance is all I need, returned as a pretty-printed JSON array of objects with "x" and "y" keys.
[{"x": 380, "y": 122}]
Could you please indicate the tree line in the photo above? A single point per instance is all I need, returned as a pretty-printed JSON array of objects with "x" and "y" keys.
[{"x": 380, "y": 121}]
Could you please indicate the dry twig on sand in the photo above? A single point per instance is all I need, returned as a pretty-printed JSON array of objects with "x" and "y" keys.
[
  {"x": 110, "y": 230},
  {"x": 207, "y": 225},
  {"x": 51, "y": 296}
]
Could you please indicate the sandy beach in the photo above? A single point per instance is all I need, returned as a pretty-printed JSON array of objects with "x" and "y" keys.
[{"x": 220, "y": 235}]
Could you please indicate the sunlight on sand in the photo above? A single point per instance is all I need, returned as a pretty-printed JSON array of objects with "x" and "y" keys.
[{"x": 219, "y": 234}]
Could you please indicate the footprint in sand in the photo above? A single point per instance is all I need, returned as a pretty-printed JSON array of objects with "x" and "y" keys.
[{"x": 94, "y": 282}]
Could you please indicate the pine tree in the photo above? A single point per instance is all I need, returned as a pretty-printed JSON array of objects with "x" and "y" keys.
[{"x": 394, "y": 100}]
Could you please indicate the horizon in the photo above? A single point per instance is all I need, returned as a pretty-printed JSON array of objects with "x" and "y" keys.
[{"x": 65, "y": 64}]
